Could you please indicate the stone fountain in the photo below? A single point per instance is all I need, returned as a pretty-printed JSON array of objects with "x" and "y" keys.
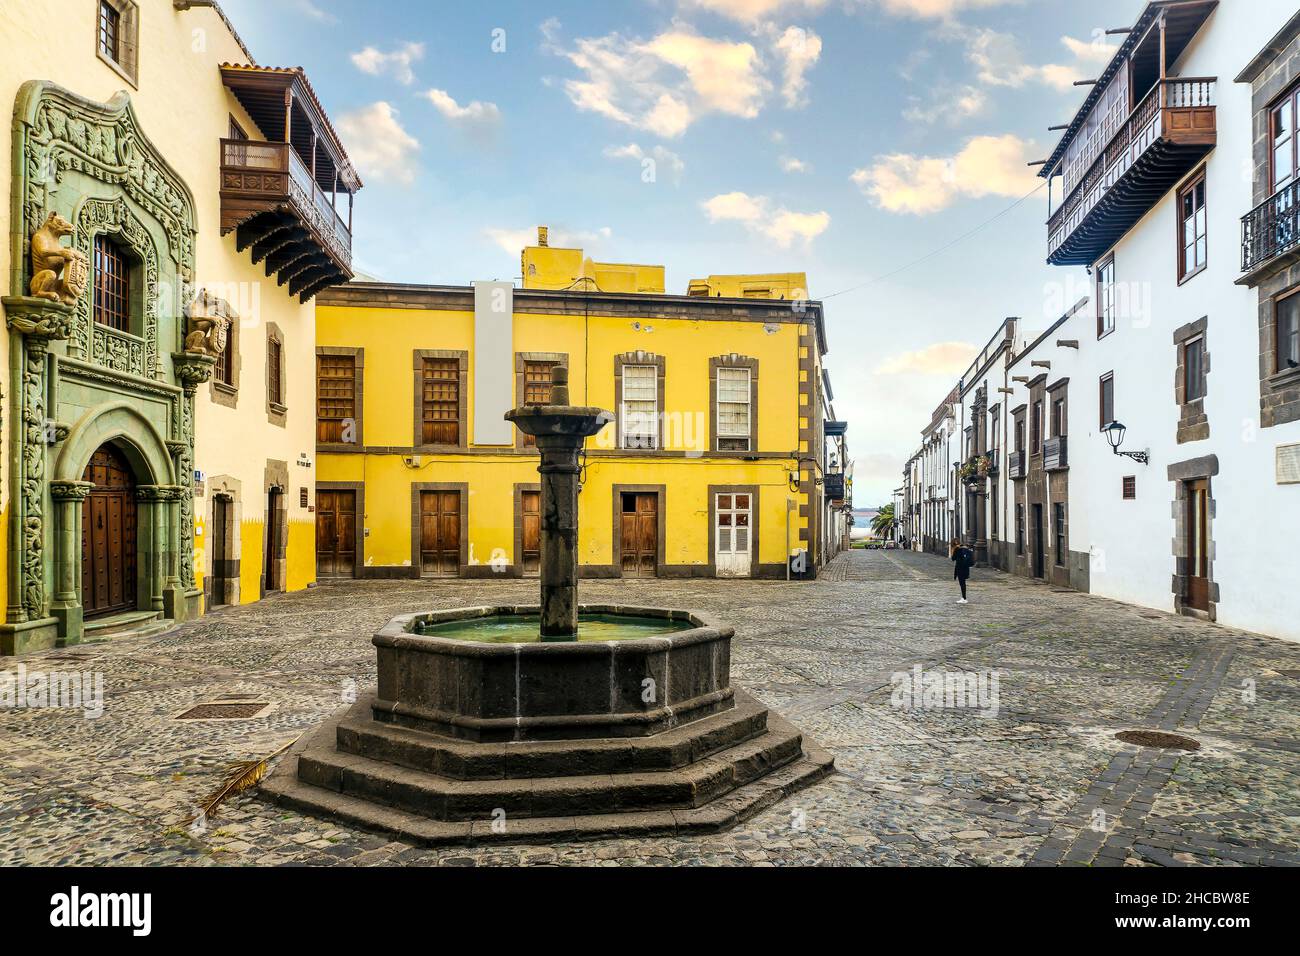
[{"x": 549, "y": 722}]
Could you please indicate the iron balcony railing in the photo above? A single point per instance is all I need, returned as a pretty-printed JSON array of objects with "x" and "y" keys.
[{"x": 1271, "y": 228}]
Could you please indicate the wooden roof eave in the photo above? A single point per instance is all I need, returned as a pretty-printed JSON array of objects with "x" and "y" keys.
[{"x": 237, "y": 77}]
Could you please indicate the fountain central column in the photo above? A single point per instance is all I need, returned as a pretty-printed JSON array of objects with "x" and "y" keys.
[{"x": 560, "y": 430}]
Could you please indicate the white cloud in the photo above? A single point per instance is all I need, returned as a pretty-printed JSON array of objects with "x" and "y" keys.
[
  {"x": 799, "y": 50},
  {"x": 513, "y": 240},
  {"x": 378, "y": 144},
  {"x": 472, "y": 114},
  {"x": 938, "y": 9},
  {"x": 952, "y": 105},
  {"x": 921, "y": 185},
  {"x": 314, "y": 11},
  {"x": 661, "y": 157},
  {"x": 755, "y": 11},
  {"x": 397, "y": 62},
  {"x": 942, "y": 358},
  {"x": 791, "y": 164},
  {"x": 999, "y": 62},
  {"x": 783, "y": 226},
  {"x": 665, "y": 84}
]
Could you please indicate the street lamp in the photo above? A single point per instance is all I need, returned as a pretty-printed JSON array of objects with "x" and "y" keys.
[{"x": 1114, "y": 433}]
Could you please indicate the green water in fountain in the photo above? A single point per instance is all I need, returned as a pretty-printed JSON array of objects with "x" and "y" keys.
[{"x": 526, "y": 629}]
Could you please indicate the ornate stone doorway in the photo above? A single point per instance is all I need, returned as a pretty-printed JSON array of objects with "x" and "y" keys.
[{"x": 108, "y": 536}]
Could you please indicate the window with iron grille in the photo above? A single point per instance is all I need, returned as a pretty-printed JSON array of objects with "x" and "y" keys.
[
  {"x": 110, "y": 31},
  {"x": 440, "y": 400},
  {"x": 336, "y": 404},
  {"x": 224, "y": 371},
  {"x": 274, "y": 371},
  {"x": 537, "y": 388},
  {"x": 112, "y": 302},
  {"x": 640, "y": 411},
  {"x": 1130, "y": 487},
  {"x": 733, "y": 409}
]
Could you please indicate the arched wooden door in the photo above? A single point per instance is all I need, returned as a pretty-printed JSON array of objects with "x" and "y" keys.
[{"x": 108, "y": 529}]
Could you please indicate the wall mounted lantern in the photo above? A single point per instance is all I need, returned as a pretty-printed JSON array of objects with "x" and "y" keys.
[{"x": 1114, "y": 433}]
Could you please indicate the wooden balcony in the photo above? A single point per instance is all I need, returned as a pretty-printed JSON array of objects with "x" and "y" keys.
[
  {"x": 1271, "y": 230},
  {"x": 1056, "y": 454},
  {"x": 287, "y": 198},
  {"x": 270, "y": 199},
  {"x": 1161, "y": 141},
  {"x": 833, "y": 486},
  {"x": 1017, "y": 465}
]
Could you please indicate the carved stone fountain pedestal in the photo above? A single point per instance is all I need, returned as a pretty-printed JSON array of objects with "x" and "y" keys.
[{"x": 467, "y": 740}]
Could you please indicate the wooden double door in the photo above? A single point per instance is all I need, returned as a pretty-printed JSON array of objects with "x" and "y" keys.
[
  {"x": 108, "y": 536},
  {"x": 440, "y": 534},
  {"x": 639, "y": 534},
  {"x": 336, "y": 534}
]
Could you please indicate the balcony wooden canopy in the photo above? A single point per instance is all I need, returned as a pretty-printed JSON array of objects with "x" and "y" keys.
[
  {"x": 1182, "y": 20},
  {"x": 281, "y": 196},
  {"x": 1128, "y": 162}
]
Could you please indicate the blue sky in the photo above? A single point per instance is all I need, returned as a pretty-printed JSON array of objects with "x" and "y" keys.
[{"x": 844, "y": 138}]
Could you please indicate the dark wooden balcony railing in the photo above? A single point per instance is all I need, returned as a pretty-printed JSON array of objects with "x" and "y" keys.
[
  {"x": 833, "y": 485},
  {"x": 1271, "y": 228},
  {"x": 268, "y": 194},
  {"x": 1016, "y": 465},
  {"x": 1056, "y": 454},
  {"x": 1160, "y": 142}
]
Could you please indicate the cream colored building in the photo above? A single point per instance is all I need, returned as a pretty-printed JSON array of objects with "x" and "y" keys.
[{"x": 148, "y": 471}]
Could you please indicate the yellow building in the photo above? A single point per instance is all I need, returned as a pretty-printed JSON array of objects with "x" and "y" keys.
[
  {"x": 179, "y": 213},
  {"x": 715, "y": 465}
]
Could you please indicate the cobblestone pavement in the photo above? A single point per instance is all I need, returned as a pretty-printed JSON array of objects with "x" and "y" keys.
[{"x": 1042, "y": 782}]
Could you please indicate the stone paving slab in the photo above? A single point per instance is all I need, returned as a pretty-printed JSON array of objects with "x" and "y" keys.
[{"x": 1041, "y": 782}]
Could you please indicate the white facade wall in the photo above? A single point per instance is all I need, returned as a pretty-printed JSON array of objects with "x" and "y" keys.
[{"x": 1253, "y": 552}]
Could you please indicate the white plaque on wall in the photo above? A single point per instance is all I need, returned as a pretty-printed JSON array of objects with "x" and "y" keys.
[
  {"x": 494, "y": 367},
  {"x": 1288, "y": 464}
]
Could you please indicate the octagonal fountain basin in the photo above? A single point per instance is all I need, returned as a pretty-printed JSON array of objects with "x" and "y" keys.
[{"x": 485, "y": 674}]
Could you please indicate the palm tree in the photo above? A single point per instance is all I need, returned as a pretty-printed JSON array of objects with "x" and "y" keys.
[{"x": 883, "y": 523}]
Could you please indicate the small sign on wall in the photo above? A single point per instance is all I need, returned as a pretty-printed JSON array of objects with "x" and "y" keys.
[{"x": 1288, "y": 464}]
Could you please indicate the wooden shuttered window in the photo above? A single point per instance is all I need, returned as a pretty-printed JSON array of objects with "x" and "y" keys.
[
  {"x": 440, "y": 401},
  {"x": 336, "y": 399},
  {"x": 274, "y": 371}
]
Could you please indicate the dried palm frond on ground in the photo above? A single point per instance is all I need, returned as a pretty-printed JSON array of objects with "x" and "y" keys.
[{"x": 245, "y": 775}]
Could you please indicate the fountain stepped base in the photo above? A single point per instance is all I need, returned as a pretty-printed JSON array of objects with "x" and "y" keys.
[{"x": 724, "y": 781}]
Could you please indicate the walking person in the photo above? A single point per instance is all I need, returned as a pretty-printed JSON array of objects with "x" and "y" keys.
[{"x": 963, "y": 559}]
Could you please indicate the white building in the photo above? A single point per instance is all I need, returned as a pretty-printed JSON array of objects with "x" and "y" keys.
[{"x": 1184, "y": 349}]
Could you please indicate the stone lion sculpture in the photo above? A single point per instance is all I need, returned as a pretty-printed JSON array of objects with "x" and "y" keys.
[
  {"x": 58, "y": 273},
  {"x": 209, "y": 325}
]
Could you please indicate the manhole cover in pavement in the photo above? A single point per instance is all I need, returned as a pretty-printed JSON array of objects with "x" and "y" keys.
[
  {"x": 225, "y": 710},
  {"x": 1156, "y": 738}
]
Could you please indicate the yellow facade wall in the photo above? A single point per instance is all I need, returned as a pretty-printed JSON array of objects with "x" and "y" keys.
[
  {"x": 185, "y": 110},
  {"x": 388, "y": 336}
]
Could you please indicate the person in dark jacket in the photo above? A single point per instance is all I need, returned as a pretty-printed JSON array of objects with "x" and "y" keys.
[{"x": 963, "y": 559}]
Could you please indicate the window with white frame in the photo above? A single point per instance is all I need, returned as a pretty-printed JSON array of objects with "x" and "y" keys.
[
  {"x": 733, "y": 409},
  {"x": 1106, "y": 297},
  {"x": 640, "y": 411}
]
